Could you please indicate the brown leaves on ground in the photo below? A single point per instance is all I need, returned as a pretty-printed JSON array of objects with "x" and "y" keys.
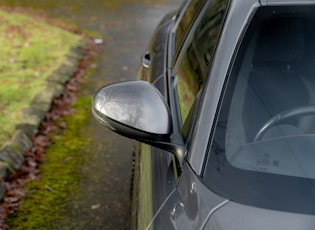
[{"x": 33, "y": 157}]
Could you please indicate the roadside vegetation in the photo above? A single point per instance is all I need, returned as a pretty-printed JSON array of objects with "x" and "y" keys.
[
  {"x": 59, "y": 174},
  {"x": 30, "y": 51}
]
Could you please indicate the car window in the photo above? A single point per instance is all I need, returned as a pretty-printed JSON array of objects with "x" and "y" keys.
[
  {"x": 194, "y": 61},
  {"x": 262, "y": 151},
  {"x": 192, "y": 10}
]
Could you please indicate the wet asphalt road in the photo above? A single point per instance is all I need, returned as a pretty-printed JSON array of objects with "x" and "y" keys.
[
  {"x": 125, "y": 27},
  {"x": 104, "y": 201}
]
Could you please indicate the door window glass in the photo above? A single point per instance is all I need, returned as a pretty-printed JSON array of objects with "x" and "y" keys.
[
  {"x": 195, "y": 59},
  {"x": 189, "y": 16}
]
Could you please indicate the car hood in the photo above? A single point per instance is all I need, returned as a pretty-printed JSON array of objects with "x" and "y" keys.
[{"x": 240, "y": 217}]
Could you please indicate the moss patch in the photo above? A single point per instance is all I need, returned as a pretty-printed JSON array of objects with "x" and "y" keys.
[
  {"x": 30, "y": 51},
  {"x": 60, "y": 174}
]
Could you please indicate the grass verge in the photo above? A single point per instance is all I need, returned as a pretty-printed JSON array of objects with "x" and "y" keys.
[
  {"x": 59, "y": 174},
  {"x": 30, "y": 51}
]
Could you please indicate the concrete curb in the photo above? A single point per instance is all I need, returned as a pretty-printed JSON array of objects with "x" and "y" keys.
[{"x": 12, "y": 152}]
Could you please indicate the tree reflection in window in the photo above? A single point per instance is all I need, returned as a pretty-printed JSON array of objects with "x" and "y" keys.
[{"x": 195, "y": 60}]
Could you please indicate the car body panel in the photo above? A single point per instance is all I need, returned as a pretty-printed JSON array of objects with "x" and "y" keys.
[
  {"x": 241, "y": 217},
  {"x": 188, "y": 206},
  {"x": 157, "y": 52},
  {"x": 285, "y": 2},
  {"x": 156, "y": 167},
  {"x": 162, "y": 163}
]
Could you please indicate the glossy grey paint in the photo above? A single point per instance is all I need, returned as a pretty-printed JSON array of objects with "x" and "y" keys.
[
  {"x": 285, "y": 2},
  {"x": 163, "y": 179},
  {"x": 157, "y": 50},
  {"x": 188, "y": 206},
  {"x": 240, "y": 217},
  {"x": 136, "y": 104}
]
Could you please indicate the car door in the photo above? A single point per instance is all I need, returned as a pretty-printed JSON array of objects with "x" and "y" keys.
[
  {"x": 189, "y": 69},
  {"x": 158, "y": 169}
]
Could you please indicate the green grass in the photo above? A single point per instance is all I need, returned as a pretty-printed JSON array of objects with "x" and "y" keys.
[
  {"x": 30, "y": 50},
  {"x": 60, "y": 175}
]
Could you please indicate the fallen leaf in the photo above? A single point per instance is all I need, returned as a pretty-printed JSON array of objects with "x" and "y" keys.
[
  {"x": 95, "y": 206},
  {"x": 68, "y": 159},
  {"x": 48, "y": 188}
]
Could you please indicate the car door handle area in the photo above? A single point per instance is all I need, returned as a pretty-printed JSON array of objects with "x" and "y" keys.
[{"x": 146, "y": 59}]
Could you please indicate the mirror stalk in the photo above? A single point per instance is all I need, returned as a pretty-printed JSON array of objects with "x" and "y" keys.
[{"x": 175, "y": 146}]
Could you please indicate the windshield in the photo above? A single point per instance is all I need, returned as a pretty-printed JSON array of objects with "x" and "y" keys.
[{"x": 263, "y": 147}]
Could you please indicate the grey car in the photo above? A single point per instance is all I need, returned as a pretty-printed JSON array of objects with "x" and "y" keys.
[{"x": 224, "y": 112}]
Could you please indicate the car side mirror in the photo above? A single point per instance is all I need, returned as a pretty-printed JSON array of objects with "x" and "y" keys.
[{"x": 135, "y": 109}]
